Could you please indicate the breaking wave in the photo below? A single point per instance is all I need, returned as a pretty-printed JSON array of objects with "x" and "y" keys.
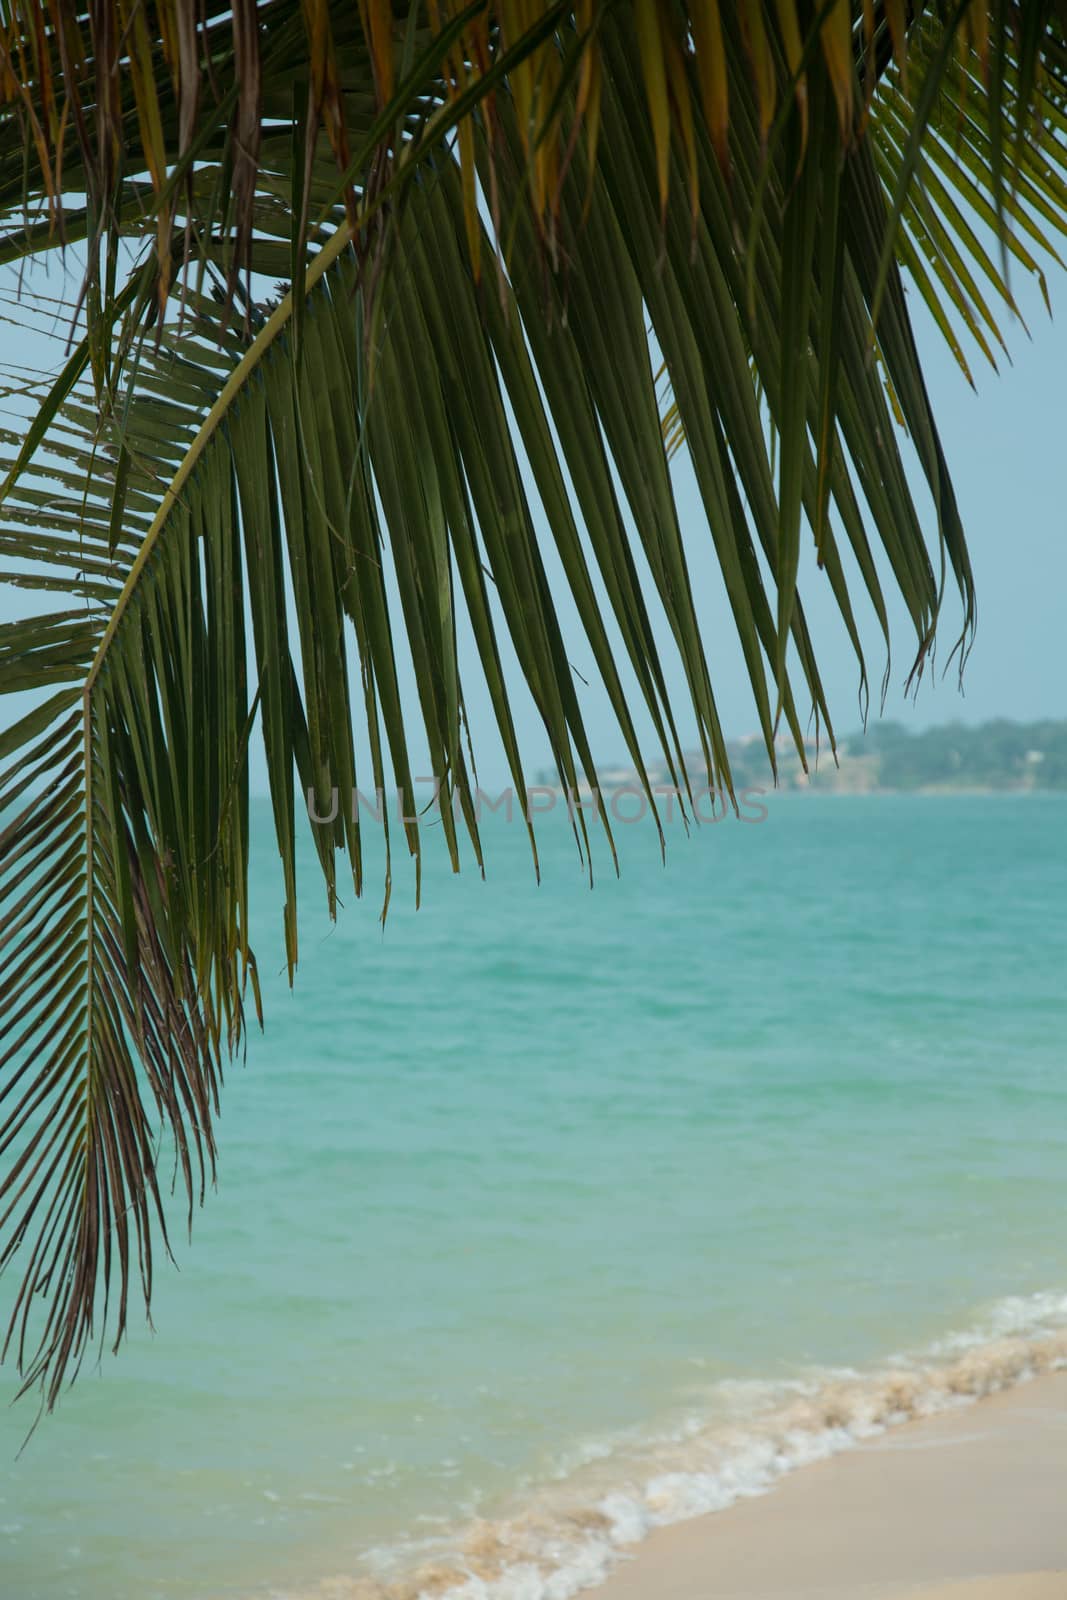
[{"x": 569, "y": 1533}]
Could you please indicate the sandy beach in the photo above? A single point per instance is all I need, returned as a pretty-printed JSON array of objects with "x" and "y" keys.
[{"x": 966, "y": 1505}]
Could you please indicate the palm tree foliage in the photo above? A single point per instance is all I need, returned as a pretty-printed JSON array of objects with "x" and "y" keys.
[{"x": 510, "y": 229}]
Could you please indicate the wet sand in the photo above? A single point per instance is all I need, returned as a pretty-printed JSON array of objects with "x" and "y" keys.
[{"x": 966, "y": 1505}]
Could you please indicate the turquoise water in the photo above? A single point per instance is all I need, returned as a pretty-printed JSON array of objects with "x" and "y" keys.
[{"x": 524, "y": 1198}]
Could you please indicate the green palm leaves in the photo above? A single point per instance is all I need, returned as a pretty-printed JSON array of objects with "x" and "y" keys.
[{"x": 242, "y": 519}]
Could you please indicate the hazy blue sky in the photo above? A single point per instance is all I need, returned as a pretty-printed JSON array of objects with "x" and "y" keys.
[{"x": 1007, "y": 449}]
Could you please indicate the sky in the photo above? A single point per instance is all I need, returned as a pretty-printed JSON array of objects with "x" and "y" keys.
[{"x": 1006, "y": 446}]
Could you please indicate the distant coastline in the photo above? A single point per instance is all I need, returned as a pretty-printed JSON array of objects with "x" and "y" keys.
[{"x": 999, "y": 757}]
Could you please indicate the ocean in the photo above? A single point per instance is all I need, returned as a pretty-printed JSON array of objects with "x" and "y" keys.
[{"x": 549, "y": 1214}]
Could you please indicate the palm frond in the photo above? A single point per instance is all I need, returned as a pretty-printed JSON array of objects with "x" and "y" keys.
[
  {"x": 988, "y": 193},
  {"x": 245, "y": 519}
]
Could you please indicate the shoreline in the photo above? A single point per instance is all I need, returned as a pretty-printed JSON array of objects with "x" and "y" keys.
[
  {"x": 859, "y": 1484},
  {"x": 965, "y": 1504}
]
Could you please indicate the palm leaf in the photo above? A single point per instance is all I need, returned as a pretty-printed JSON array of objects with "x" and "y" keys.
[{"x": 242, "y": 520}]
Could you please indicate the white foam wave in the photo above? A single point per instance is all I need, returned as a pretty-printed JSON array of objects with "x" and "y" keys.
[{"x": 576, "y": 1527}]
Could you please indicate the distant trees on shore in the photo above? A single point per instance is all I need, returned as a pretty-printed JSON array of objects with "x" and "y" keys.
[{"x": 999, "y": 755}]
